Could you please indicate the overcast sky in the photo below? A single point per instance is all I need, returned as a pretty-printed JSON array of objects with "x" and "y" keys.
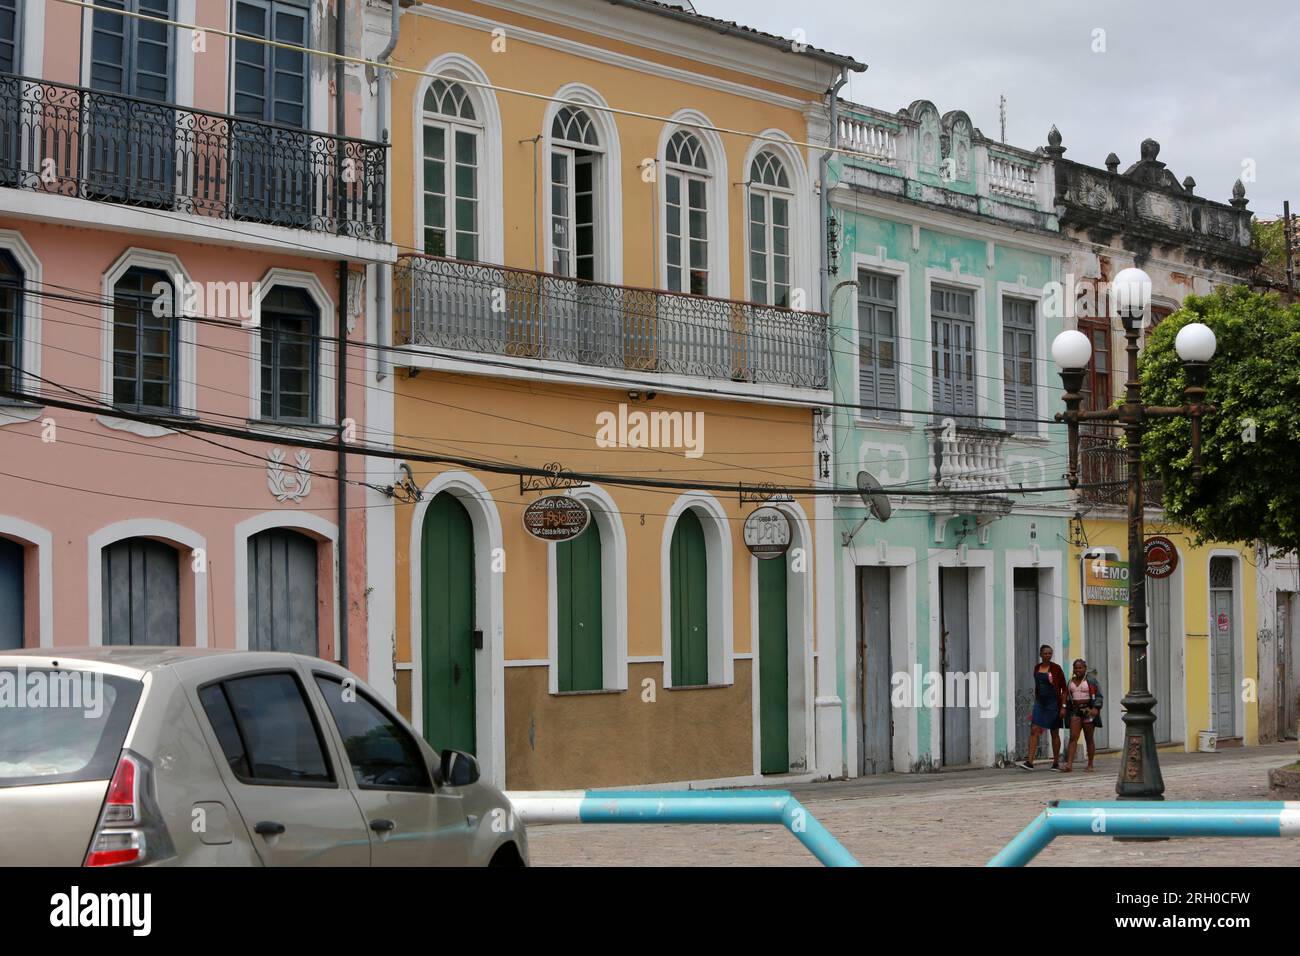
[{"x": 1216, "y": 83}]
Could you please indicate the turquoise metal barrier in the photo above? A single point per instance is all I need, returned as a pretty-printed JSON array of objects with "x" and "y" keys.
[
  {"x": 684, "y": 806},
  {"x": 1136, "y": 818}
]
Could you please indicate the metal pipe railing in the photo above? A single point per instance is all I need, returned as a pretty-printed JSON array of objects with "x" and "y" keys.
[
  {"x": 1140, "y": 818},
  {"x": 682, "y": 806}
]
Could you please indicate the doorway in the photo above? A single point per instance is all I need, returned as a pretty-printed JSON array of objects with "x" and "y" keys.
[
  {"x": 773, "y": 667},
  {"x": 1288, "y": 654},
  {"x": 875, "y": 668},
  {"x": 1223, "y": 644},
  {"x": 1160, "y": 656},
  {"x": 1027, "y": 642},
  {"x": 448, "y": 641},
  {"x": 954, "y": 657}
]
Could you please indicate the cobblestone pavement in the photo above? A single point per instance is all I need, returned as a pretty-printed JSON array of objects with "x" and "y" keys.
[{"x": 953, "y": 818}]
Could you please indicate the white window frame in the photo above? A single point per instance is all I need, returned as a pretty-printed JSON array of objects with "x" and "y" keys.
[
  {"x": 769, "y": 195},
  {"x": 1042, "y": 371},
  {"x": 714, "y": 179},
  {"x": 451, "y": 128}
]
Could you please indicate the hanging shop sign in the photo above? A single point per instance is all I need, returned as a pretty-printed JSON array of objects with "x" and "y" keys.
[
  {"x": 1105, "y": 582},
  {"x": 767, "y": 533},
  {"x": 1162, "y": 556},
  {"x": 556, "y": 518}
]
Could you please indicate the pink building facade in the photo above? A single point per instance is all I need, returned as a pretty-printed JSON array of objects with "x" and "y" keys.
[{"x": 183, "y": 229}]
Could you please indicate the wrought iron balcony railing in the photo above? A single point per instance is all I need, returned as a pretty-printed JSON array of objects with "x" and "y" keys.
[
  {"x": 1103, "y": 459},
  {"x": 472, "y": 307},
  {"x": 72, "y": 141}
]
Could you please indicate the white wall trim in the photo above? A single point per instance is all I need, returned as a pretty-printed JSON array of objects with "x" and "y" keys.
[
  {"x": 978, "y": 286},
  {"x": 174, "y": 534},
  {"x": 305, "y": 521},
  {"x": 35, "y": 536},
  {"x": 719, "y": 179},
  {"x": 902, "y": 564},
  {"x": 490, "y": 172},
  {"x": 31, "y": 23},
  {"x": 901, "y": 270},
  {"x": 983, "y": 745},
  {"x": 1238, "y": 643},
  {"x": 624, "y": 61},
  {"x": 717, "y": 542},
  {"x": 613, "y": 598},
  {"x": 489, "y": 616},
  {"x": 804, "y": 235},
  {"x": 326, "y": 346},
  {"x": 609, "y": 186},
  {"x": 29, "y": 374},
  {"x": 1042, "y": 368},
  {"x": 185, "y": 372}
]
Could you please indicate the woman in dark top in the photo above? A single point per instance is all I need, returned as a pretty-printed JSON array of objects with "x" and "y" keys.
[{"x": 1049, "y": 708}]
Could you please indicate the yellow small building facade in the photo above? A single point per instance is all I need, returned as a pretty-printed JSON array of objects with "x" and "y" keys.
[{"x": 595, "y": 274}]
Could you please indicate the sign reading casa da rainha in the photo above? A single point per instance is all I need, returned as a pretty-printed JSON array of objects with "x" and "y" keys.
[
  {"x": 1162, "y": 556},
  {"x": 1105, "y": 582},
  {"x": 767, "y": 533},
  {"x": 556, "y": 518}
]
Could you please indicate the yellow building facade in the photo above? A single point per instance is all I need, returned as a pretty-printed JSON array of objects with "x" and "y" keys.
[{"x": 597, "y": 276}]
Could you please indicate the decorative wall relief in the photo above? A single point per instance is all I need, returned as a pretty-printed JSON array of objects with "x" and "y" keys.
[{"x": 289, "y": 485}]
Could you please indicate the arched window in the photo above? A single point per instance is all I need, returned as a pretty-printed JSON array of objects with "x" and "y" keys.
[
  {"x": 769, "y": 230},
  {"x": 11, "y": 323},
  {"x": 579, "y": 611},
  {"x": 686, "y": 201},
  {"x": 575, "y": 185},
  {"x": 282, "y": 602},
  {"x": 689, "y": 584},
  {"x": 144, "y": 341},
  {"x": 140, "y": 578},
  {"x": 290, "y": 325},
  {"x": 453, "y": 147}
]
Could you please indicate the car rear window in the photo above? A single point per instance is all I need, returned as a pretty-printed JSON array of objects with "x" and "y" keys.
[{"x": 61, "y": 725}]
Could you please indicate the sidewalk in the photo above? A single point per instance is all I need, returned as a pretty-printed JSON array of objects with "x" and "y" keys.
[{"x": 958, "y": 817}]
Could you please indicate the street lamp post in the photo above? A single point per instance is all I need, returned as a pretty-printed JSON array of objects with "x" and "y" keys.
[{"x": 1130, "y": 294}]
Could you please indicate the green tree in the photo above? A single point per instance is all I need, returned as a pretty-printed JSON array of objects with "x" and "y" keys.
[
  {"x": 1251, "y": 445},
  {"x": 1270, "y": 239}
]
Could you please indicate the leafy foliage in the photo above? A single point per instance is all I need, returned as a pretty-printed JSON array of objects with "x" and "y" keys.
[
  {"x": 1251, "y": 445},
  {"x": 1270, "y": 239}
]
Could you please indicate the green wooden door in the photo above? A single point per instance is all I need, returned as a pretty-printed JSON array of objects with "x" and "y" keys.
[
  {"x": 690, "y": 603},
  {"x": 578, "y": 589},
  {"x": 448, "y": 624},
  {"x": 773, "y": 668}
]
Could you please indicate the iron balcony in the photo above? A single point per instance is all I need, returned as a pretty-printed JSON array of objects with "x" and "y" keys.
[
  {"x": 73, "y": 141},
  {"x": 494, "y": 310}
]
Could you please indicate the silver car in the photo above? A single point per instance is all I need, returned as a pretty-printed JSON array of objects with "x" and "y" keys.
[{"x": 115, "y": 756}]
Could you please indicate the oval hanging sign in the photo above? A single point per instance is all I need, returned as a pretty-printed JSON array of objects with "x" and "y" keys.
[
  {"x": 556, "y": 518},
  {"x": 767, "y": 533},
  {"x": 1161, "y": 555}
]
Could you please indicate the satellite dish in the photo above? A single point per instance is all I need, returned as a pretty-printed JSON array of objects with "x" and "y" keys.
[
  {"x": 873, "y": 496},
  {"x": 877, "y": 502}
]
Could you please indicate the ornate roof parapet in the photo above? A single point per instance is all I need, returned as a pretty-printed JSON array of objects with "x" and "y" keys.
[
  {"x": 944, "y": 160},
  {"x": 1146, "y": 207}
]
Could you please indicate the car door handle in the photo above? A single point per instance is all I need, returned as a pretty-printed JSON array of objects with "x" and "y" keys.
[
  {"x": 269, "y": 828},
  {"x": 382, "y": 826}
]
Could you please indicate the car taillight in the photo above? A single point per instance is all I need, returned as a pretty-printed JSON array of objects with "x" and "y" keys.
[{"x": 130, "y": 827}]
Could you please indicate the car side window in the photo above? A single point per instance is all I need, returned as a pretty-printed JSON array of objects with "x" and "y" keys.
[
  {"x": 382, "y": 754},
  {"x": 266, "y": 730}
]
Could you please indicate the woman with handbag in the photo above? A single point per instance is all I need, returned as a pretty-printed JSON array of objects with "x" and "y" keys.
[
  {"x": 1083, "y": 695},
  {"x": 1049, "y": 708}
]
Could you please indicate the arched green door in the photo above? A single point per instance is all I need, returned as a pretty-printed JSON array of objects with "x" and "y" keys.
[
  {"x": 578, "y": 613},
  {"x": 689, "y": 581},
  {"x": 447, "y": 563},
  {"x": 773, "y": 668}
]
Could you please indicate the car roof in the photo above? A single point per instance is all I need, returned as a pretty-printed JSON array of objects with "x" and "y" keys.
[{"x": 142, "y": 659}]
